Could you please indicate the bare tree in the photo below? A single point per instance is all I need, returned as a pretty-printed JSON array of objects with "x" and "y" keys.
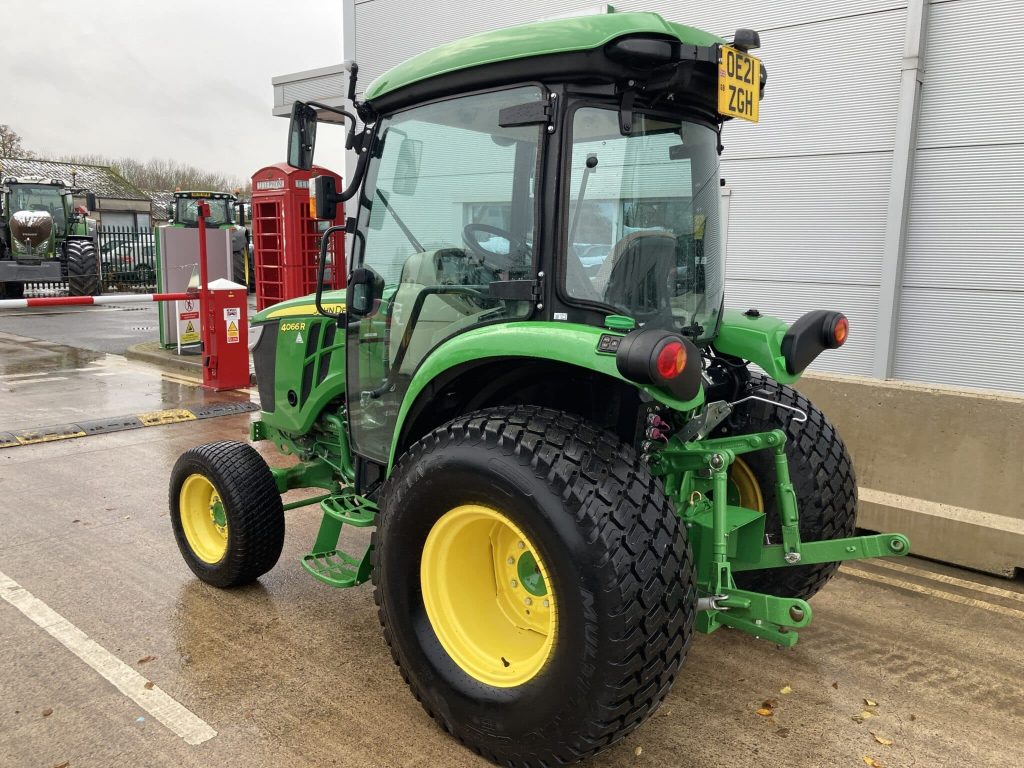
[
  {"x": 163, "y": 173},
  {"x": 10, "y": 143}
]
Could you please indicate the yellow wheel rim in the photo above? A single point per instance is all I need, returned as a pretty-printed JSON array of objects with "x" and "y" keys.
[
  {"x": 488, "y": 596},
  {"x": 203, "y": 519},
  {"x": 744, "y": 490}
]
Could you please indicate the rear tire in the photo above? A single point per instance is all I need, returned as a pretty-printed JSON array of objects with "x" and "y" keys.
[
  {"x": 83, "y": 268},
  {"x": 239, "y": 261},
  {"x": 822, "y": 474},
  {"x": 242, "y": 540},
  {"x": 615, "y": 564},
  {"x": 12, "y": 290}
]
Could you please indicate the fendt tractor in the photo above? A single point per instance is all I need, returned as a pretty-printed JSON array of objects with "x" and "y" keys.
[
  {"x": 45, "y": 238},
  {"x": 226, "y": 212},
  {"x": 531, "y": 391}
]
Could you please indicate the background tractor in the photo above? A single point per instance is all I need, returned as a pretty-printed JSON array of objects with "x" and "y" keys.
[
  {"x": 44, "y": 238},
  {"x": 532, "y": 392},
  {"x": 226, "y": 212}
]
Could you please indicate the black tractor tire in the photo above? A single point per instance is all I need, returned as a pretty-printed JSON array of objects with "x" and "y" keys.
[
  {"x": 12, "y": 290},
  {"x": 252, "y": 508},
  {"x": 239, "y": 261},
  {"x": 83, "y": 268},
  {"x": 821, "y": 471},
  {"x": 620, "y": 571}
]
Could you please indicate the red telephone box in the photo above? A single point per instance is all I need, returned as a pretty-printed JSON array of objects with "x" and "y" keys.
[{"x": 286, "y": 238}]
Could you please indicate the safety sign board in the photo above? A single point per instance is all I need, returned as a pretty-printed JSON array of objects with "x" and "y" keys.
[
  {"x": 188, "y": 321},
  {"x": 231, "y": 317}
]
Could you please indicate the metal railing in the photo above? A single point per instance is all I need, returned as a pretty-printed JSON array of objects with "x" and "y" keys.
[{"x": 127, "y": 263}]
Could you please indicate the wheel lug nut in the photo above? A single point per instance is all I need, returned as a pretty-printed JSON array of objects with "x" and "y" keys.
[
  {"x": 521, "y": 545},
  {"x": 511, "y": 560},
  {"x": 547, "y": 603},
  {"x": 514, "y": 583},
  {"x": 528, "y": 601}
]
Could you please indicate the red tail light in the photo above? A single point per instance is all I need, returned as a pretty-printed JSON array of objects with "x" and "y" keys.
[
  {"x": 672, "y": 360},
  {"x": 841, "y": 331}
]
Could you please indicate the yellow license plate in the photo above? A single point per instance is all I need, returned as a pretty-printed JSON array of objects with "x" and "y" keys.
[{"x": 739, "y": 84}]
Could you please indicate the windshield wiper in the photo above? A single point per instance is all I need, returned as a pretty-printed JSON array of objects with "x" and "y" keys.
[{"x": 401, "y": 224}]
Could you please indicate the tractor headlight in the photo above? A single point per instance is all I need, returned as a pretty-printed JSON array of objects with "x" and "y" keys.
[{"x": 664, "y": 359}]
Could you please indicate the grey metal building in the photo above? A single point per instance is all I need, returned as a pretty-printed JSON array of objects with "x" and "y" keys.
[{"x": 885, "y": 179}]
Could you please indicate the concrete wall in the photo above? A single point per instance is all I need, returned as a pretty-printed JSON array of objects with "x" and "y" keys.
[{"x": 944, "y": 466}]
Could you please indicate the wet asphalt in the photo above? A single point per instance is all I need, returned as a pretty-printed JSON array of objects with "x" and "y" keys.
[{"x": 292, "y": 672}]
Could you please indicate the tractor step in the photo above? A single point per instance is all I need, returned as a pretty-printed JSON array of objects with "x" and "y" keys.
[
  {"x": 337, "y": 568},
  {"x": 350, "y": 509}
]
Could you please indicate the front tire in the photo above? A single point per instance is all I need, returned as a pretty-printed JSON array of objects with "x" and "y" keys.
[
  {"x": 83, "y": 268},
  {"x": 226, "y": 512},
  {"x": 820, "y": 469},
  {"x": 534, "y": 584}
]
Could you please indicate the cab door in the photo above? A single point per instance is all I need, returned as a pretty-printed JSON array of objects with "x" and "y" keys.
[{"x": 423, "y": 260}]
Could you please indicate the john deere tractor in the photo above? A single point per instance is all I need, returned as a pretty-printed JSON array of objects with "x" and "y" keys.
[
  {"x": 226, "y": 212},
  {"x": 44, "y": 238},
  {"x": 570, "y": 453}
]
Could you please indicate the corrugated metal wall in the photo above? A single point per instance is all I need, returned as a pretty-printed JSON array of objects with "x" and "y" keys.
[
  {"x": 962, "y": 302},
  {"x": 809, "y": 186}
]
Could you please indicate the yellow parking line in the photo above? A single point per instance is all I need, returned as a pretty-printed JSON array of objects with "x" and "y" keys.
[
  {"x": 921, "y": 589},
  {"x": 170, "y": 416}
]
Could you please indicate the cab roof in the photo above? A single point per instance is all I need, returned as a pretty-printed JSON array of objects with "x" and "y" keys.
[
  {"x": 527, "y": 41},
  {"x": 194, "y": 194}
]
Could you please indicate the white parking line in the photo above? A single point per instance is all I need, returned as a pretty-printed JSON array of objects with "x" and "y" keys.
[
  {"x": 42, "y": 380},
  {"x": 171, "y": 713}
]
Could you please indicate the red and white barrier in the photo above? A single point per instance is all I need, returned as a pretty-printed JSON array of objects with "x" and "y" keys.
[{"x": 65, "y": 301}]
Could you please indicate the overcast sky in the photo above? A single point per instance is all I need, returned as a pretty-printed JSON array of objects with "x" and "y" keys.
[{"x": 186, "y": 79}]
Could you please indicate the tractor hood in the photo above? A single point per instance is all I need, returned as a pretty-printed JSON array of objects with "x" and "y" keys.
[
  {"x": 303, "y": 306},
  {"x": 558, "y": 48},
  {"x": 31, "y": 228}
]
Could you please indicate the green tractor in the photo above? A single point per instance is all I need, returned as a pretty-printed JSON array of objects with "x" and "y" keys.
[
  {"x": 532, "y": 393},
  {"x": 226, "y": 212},
  {"x": 45, "y": 238}
]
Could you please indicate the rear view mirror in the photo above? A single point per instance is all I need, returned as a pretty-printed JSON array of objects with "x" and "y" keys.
[
  {"x": 365, "y": 288},
  {"x": 301, "y": 136},
  {"x": 407, "y": 169},
  {"x": 90, "y": 201},
  {"x": 170, "y": 211}
]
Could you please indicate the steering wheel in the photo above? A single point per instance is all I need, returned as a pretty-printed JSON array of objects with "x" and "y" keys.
[{"x": 494, "y": 260}]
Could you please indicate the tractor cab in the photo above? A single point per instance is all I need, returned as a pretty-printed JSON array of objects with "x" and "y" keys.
[
  {"x": 183, "y": 210},
  {"x": 563, "y": 183}
]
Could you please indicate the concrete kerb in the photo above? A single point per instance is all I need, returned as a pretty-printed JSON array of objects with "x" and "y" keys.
[{"x": 152, "y": 352}]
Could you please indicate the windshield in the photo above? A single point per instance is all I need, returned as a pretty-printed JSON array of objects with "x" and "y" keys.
[
  {"x": 40, "y": 197},
  {"x": 644, "y": 222},
  {"x": 188, "y": 212}
]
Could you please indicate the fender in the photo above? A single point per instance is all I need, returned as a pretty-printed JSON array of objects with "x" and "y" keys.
[
  {"x": 563, "y": 342},
  {"x": 757, "y": 338}
]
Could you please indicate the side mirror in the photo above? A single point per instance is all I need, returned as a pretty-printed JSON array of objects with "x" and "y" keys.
[
  {"x": 301, "y": 136},
  {"x": 407, "y": 169},
  {"x": 365, "y": 287},
  {"x": 241, "y": 212},
  {"x": 170, "y": 211},
  {"x": 90, "y": 201},
  {"x": 323, "y": 190}
]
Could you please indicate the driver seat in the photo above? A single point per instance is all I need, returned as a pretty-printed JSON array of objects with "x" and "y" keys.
[{"x": 638, "y": 275}]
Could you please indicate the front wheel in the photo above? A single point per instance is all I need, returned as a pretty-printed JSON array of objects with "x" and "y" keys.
[
  {"x": 226, "y": 513},
  {"x": 820, "y": 469},
  {"x": 533, "y": 583},
  {"x": 83, "y": 268}
]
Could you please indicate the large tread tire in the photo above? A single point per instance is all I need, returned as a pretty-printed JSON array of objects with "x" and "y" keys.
[
  {"x": 83, "y": 268},
  {"x": 821, "y": 471},
  {"x": 12, "y": 290},
  {"x": 620, "y": 567},
  {"x": 252, "y": 505},
  {"x": 238, "y": 264}
]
